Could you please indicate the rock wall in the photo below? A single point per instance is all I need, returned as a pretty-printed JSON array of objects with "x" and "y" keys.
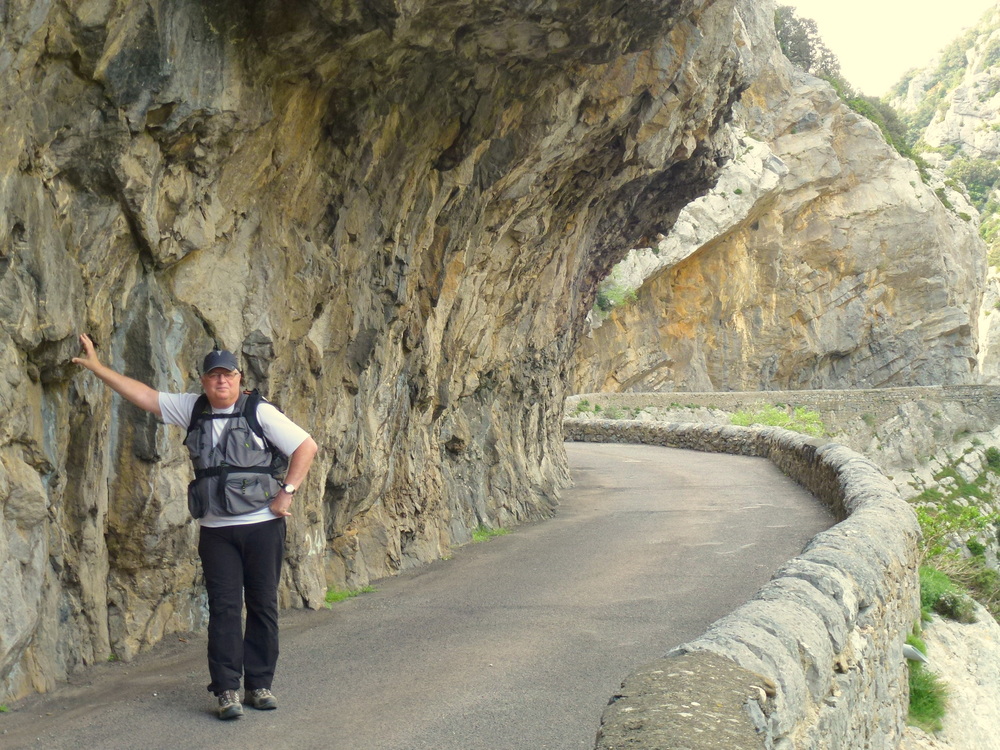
[
  {"x": 850, "y": 272},
  {"x": 953, "y": 113},
  {"x": 815, "y": 659},
  {"x": 397, "y": 215}
]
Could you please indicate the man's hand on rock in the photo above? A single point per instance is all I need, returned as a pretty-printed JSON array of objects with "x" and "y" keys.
[{"x": 89, "y": 358}]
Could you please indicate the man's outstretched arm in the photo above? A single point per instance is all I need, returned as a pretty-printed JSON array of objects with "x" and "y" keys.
[{"x": 138, "y": 393}]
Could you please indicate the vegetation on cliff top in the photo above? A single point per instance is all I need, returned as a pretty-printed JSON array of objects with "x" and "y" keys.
[
  {"x": 979, "y": 47},
  {"x": 801, "y": 44},
  {"x": 944, "y": 79},
  {"x": 975, "y": 51}
]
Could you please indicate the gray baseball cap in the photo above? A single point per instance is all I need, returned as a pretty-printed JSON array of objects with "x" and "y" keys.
[{"x": 219, "y": 358}]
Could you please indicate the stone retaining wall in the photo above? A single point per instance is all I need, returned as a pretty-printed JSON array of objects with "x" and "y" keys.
[{"x": 814, "y": 660}]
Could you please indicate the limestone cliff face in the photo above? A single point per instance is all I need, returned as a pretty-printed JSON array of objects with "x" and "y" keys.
[
  {"x": 827, "y": 263},
  {"x": 396, "y": 213},
  {"x": 953, "y": 109}
]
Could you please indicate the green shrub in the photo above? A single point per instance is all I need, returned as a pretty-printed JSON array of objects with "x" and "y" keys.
[
  {"x": 993, "y": 255},
  {"x": 956, "y": 606},
  {"x": 915, "y": 640},
  {"x": 979, "y": 176},
  {"x": 963, "y": 488},
  {"x": 949, "y": 519},
  {"x": 885, "y": 118},
  {"x": 941, "y": 194},
  {"x": 614, "y": 295},
  {"x": 933, "y": 585},
  {"x": 989, "y": 228},
  {"x": 902, "y": 86},
  {"x": 800, "y": 42},
  {"x": 938, "y": 593},
  {"x": 974, "y": 576},
  {"x": 991, "y": 55},
  {"x": 992, "y": 455},
  {"x": 985, "y": 585}
]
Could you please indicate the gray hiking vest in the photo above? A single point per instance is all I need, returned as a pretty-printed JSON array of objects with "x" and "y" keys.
[{"x": 235, "y": 476}]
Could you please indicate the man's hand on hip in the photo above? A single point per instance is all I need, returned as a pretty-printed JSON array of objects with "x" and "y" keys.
[{"x": 281, "y": 504}]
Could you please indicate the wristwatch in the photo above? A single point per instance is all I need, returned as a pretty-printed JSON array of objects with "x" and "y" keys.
[{"x": 288, "y": 488}]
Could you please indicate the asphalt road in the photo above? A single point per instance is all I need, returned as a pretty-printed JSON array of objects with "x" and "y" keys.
[{"x": 513, "y": 644}]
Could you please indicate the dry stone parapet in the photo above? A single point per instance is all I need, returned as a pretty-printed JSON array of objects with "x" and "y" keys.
[{"x": 825, "y": 635}]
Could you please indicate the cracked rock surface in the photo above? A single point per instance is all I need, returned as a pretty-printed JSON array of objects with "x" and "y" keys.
[
  {"x": 395, "y": 213},
  {"x": 820, "y": 260}
]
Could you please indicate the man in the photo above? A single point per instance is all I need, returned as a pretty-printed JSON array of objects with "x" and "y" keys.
[{"x": 241, "y": 508}]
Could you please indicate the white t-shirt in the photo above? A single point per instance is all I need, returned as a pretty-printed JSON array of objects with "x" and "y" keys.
[{"x": 283, "y": 433}]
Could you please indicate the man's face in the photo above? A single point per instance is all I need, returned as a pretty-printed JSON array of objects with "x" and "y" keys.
[{"x": 222, "y": 387}]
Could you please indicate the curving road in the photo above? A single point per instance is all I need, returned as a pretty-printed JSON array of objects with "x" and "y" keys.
[{"x": 513, "y": 644}]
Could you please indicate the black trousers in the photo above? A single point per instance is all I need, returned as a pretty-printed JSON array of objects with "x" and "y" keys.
[{"x": 242, "y": 561}]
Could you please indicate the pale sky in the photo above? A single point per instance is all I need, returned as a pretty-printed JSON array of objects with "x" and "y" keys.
[{"x": 877, "y": 41}]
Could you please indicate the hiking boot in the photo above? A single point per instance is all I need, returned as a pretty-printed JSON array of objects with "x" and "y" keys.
[
  {"x": 262, "y": 699},
  {"x": 229, "y": 705}
]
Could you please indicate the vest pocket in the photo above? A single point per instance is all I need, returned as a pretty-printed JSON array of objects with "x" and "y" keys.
[
  {"x": 197, "y": 499},
  {"x": 245, "y": 493}
]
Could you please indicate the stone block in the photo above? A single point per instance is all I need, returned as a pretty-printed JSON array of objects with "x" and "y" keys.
[{"x": 691, "y": 701}]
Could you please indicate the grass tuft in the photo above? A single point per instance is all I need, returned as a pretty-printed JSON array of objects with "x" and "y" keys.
[
  {"x": 483, "y": 533},
  {"x": 334, "y": 595},
  {"x": 928, "y": 698}
]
